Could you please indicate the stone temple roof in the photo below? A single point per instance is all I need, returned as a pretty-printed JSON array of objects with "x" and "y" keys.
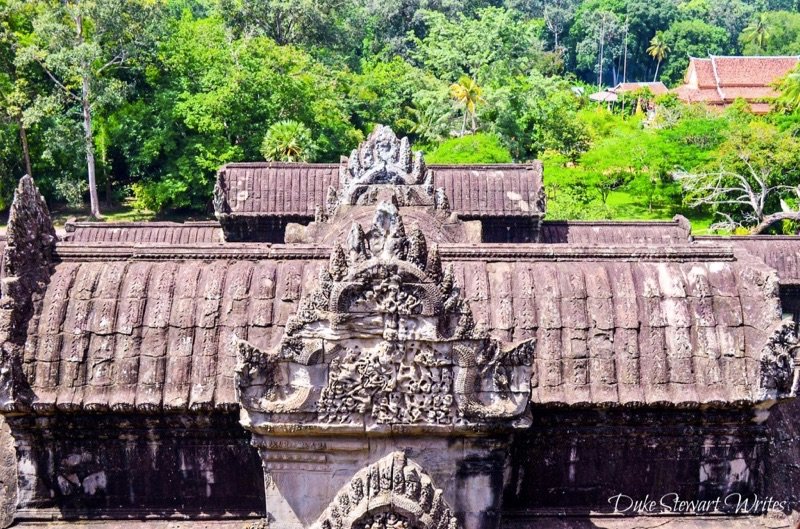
[
  {"x": 294, "y": 189},
  {"x": 146, "y": 317},
  {"x": 622, "y": 326}
]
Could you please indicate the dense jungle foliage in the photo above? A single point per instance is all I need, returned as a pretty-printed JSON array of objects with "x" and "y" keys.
[{"x": 148, "y": 98}]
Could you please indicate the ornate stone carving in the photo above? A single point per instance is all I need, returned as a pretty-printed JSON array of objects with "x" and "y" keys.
[
  {"x": 384, "y": 160},
  {"x": 392, "y": 493},
  {"x": 219, "y": 199},
  {"x": 780, "y": 372},
  {"x": 396, "y": 341}
]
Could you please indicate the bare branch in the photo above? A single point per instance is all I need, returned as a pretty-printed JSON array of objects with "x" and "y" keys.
[
  {"x": 56, "y": 81},
  {"x": 769, "y": 220}
]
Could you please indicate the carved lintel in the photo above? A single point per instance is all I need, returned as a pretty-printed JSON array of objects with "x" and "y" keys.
[{"x": 392, "y": 493}]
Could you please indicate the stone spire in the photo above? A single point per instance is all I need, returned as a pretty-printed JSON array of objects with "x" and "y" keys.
[{"x": 27, "y": 259}]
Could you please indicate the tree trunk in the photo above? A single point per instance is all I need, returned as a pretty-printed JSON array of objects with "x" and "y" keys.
[
  {"x": 769, "y": 220},
  {"x": 600, "y": 59},
  {"x": 655, "y": 77},
  {"x": 26, "y": 153},
  {"x": 625, "y": 59},
  {"x": 88, "y": 139}
]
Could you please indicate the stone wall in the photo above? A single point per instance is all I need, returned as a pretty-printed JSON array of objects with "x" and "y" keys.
[
  {"x": 8, "y": 475},
  {"x": 129, "y": 466}
]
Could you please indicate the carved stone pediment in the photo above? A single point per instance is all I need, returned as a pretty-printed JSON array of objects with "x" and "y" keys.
[{"x": 385, "y": 341}]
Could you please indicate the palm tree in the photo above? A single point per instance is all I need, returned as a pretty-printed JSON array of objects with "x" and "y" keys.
[
  {"x": 658, "y": 50},
  {"x": 757, "y": 32},
  {"x": 790, "y": 89},
  {"x": 288, "y": 141},
  {"x": 466, "y": 92}
]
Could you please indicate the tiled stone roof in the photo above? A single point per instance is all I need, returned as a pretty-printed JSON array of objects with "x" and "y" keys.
[
  {"x": 294, "y": 189},
  {"x": 597, "y": 232},
  {"x": 779, "y": 252},
  {"x": 623, "y": 326},
  {"x": 144, "y": 233}
]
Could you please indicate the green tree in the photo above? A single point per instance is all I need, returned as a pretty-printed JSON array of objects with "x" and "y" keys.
[
  {"x": 475, "y": 148},
  {"x": 534, "y": 113},
  {"x": 288, "y": 141},
  {"x": 758, "y": 32},
  {"x": 392, "y": 91},
  {"x": 212, "y": 101},
  {"x": 603, "y": 39},
  {"x": 496, "y": 44},
  {"x": 783, "y": 29},
  {"x": 790, "y": 89},
  {"x": 467, "y": 94},
  {"x": 658, "y": 50},
  {"x": 691, "y": 38},
  {"x": 79, "y": 44},
  {"x": 755, "y": 169}
]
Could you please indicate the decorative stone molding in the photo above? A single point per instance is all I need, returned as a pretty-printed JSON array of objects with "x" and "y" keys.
[
  {"x": 219, "y": 200},
  {"x": 392, "y": 493},
  {"x": 385, "y": 340}
]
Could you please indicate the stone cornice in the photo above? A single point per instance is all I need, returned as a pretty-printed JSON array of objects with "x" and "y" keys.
[{"x": 498, "y": 252}]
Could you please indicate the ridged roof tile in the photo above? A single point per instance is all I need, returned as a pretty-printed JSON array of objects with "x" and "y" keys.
[
  {"x": 152, "y": 335},
  {"x": 293, "y": 190}
]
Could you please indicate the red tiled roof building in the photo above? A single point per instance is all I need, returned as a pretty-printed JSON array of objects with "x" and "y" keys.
[{"x": 719, "y": 81}]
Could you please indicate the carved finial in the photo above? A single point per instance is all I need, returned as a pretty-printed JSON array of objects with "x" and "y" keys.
[
  {"x": 30, "y": 236},
  {"x": 331, "y": 201},
  {"x": 357, "y": 243},
  {"x": 683, "y": 224},
  {"x": 397, "y": 228},
  {"x": 434, "y": 267},
  {"x": 396, "y": 243},
  {"x": 448, "y": 280},
  {"x": 405, "y": 154},
  {"x": 419, "y": 170},
  {"x": 30, "y": 243},
  {"x": 440, "y": 200},
  {"x": 417, "y": 248},
  {"x": 338, "y": 263},
  {"x": 319, "y": 214},
  {"x": 219, "y": 199},
  {"x": 466, "y": 323},
  {"x": 779, "y": 371}
]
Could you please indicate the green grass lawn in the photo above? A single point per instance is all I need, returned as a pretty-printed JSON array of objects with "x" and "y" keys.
[{"x": 124, "y": 212}]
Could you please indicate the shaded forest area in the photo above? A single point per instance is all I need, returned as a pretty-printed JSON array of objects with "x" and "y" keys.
[{"x": 138, "y": 102}]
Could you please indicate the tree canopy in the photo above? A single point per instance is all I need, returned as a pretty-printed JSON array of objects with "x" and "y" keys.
[{"x": 141, "y": 101}]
